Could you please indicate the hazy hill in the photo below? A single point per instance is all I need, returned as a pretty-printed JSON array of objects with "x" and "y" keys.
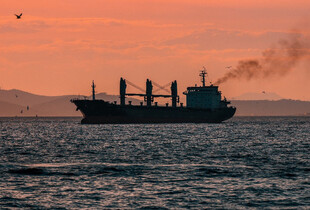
[
  {"x": 23, "y": 98},
  {"x": 9, "y": 109},
  {"x": 15, "y": 102},
  {"x": 61, "y": 106},
  {"x": 258, "y": 96},
  {"x": 271, "y": 108}
]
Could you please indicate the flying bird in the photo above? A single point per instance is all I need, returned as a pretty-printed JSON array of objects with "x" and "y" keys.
[
  {"x": 228, "y": 67},
  {"x": 19, "y": 16}
]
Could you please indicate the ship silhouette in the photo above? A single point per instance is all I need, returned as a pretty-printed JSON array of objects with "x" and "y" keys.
[{"x": 204, "y": 104}]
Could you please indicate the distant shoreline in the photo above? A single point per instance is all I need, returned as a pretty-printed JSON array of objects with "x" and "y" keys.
[{"x": 17, "y": 103}]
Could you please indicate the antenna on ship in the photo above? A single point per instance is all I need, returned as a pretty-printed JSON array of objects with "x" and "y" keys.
[
  {"x": 93, "y": 90},
  {"x": 203, "y": 75}
]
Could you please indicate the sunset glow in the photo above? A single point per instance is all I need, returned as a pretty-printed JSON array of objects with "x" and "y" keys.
[{"x": 58, "y": 47}]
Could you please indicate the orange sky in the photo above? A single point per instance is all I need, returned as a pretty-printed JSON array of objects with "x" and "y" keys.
[{"x": 60, "y": 46}]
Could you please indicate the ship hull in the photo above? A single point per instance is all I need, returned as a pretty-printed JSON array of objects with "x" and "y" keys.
[{"x": 101, "y": 112}]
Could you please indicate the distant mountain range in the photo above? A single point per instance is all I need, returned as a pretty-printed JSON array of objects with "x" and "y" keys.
[
  {"x": 259, "y": 96},
  {"x": 284, "y": 107},
  {"x": 15, "y": 103}
]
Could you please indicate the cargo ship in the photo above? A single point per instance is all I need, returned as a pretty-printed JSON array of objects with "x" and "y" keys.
[{"x": 204, "y": 104}]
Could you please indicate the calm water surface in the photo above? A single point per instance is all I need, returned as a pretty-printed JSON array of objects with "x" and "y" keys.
[{"x": 255, "y": 162}]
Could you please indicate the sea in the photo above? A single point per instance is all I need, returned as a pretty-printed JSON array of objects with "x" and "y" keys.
[{"x": 243, "y": 163}]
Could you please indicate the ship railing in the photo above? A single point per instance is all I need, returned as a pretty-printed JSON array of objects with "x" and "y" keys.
[{"x": 80, "y": 98}]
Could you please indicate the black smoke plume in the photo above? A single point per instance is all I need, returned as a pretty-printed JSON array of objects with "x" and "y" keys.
[{"x": 276, "y": 61}]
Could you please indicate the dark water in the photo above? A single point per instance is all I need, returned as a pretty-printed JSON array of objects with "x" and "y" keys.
[{"x": 256, "y": 162}]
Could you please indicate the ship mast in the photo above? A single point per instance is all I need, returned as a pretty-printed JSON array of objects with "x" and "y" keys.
[
  {"x": 93, "y": 90},
  {"x": 203, "y": 75}
]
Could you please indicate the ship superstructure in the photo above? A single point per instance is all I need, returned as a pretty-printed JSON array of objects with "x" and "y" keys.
[
  {"x": 204, "y": 105},
  {"x": 204, "y": 97}
]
